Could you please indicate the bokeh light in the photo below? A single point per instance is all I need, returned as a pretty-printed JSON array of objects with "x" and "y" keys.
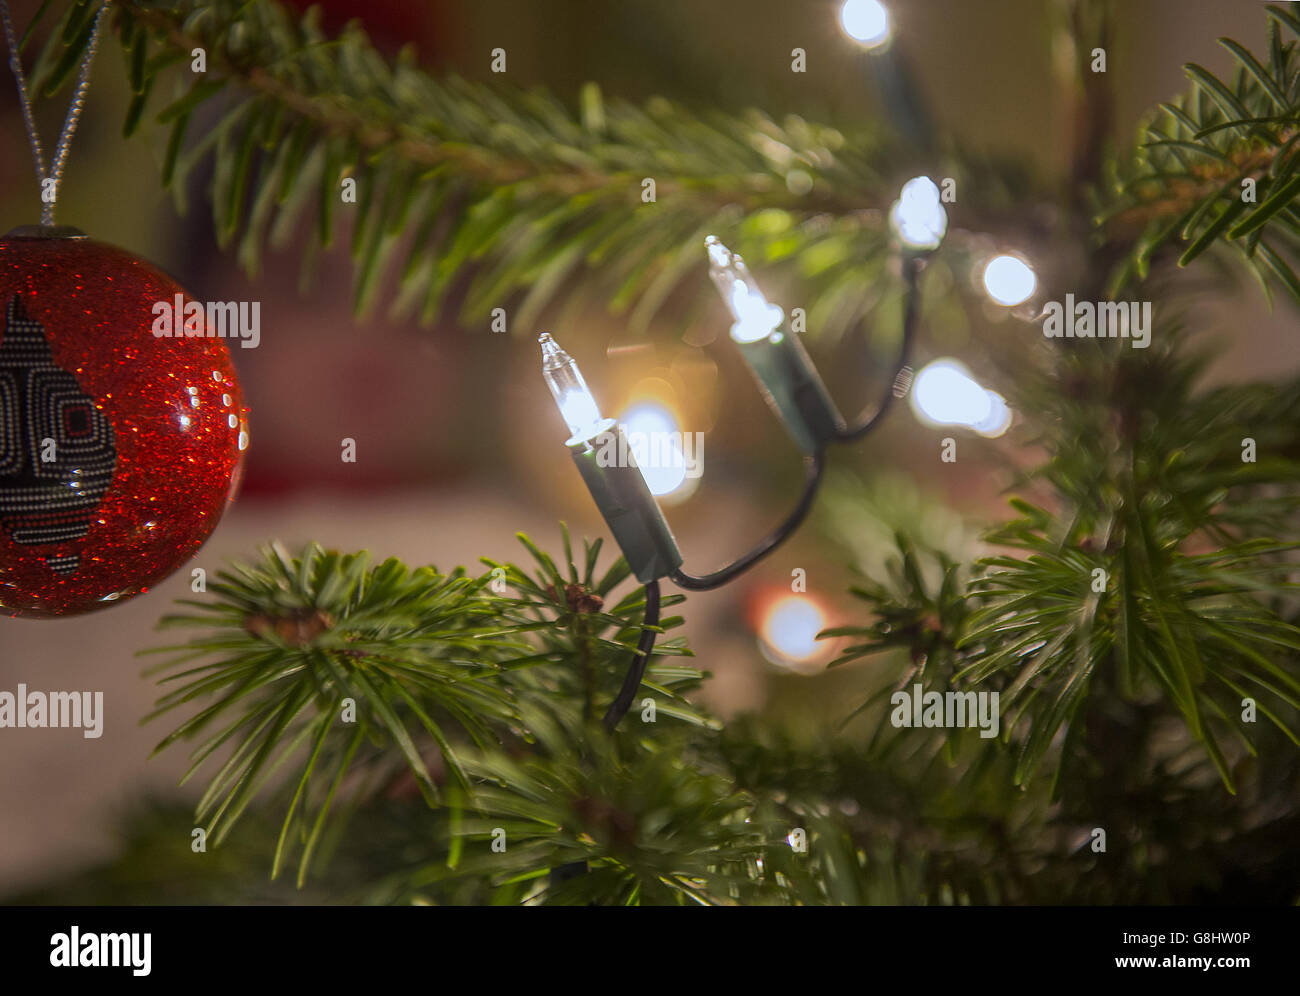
[
  {"x": 944, "y": 393},
  {"x": 1009, "y": 280},
  {"x": 664, "y": 466},
  {"x": 918, "y": 217},
  {"x": 866, "y": 21},
  {"x": 999, "y": 417},
  {"x": 788, "y": 630}
]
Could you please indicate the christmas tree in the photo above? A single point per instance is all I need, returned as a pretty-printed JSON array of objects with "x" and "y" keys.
[{"x": 1092, "y": 697}]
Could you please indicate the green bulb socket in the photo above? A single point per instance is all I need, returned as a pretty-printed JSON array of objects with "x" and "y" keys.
[
  {"x": 790, "y": 383},
  {"x": 629, "y": 509}
]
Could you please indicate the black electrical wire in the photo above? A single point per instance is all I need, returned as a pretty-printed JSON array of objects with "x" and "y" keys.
[
  {"x": 814, "y": 464},
  {"x": 623, "y": 702},
  {"x": 636, "y": 670},
  {"x": 902, "y": 375}
]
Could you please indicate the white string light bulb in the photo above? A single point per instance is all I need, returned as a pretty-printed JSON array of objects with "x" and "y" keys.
[
  {"x": 1009, "y": 280},
  {"x": 866, "y": 21},
  {"x": 755, "y": 318},
  {"x": 780, "y": 364},
  {"x": 617, "y": 485},
  {"x": 944, "y": 393},
  {"x": 918, "y": 217},
  {"x": 569, "y": 389}
]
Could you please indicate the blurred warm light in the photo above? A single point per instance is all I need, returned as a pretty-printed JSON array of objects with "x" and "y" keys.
[
  {"x": 944, "y": 393},
  {"x": 918, "y": 217},
  {"x": 665, "y": 468},
  {"x": 697, "y": 373},
  {"x": 1009, "y": 280},
  {"x": 866, "y": 21},
  {"x": 788, "y": 629}
]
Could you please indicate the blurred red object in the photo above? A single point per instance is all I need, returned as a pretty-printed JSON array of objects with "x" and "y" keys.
[{"x": 390, "y": 23}]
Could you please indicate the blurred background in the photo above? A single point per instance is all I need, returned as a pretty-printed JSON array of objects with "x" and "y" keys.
[{"x": 458, "y": 444}]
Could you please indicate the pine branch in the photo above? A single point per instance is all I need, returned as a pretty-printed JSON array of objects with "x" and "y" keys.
[
  {"x": 1161, "y": 561},
  {"x": 528, "y": 199},
  {"x": 518, "y": 193},
  {"x": 653, "y": 819},
  {"x": 324, "y": 654},
  {"x": 523, "y": 194},
  {"x": 511, "y": 183},
  {"x": 1219, "y": 166},
  {"x": 334, "y": 670}
]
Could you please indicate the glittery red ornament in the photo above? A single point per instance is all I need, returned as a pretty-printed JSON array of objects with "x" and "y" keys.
[{"x": 119, "y": 449}]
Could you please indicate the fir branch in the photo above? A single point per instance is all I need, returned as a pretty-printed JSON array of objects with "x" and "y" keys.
[
  {"x": 334, "y": 670},
  {"x": 1191, "y": 543},
  {"x": 523, "y": 193},
  {"x": 1218, "y": 166},
  {"x": 325, "y": 654},
  {"x": 510, "y": 188},
  {"x": 653, "y": 819},
  {"x": 511, "y": 182}
]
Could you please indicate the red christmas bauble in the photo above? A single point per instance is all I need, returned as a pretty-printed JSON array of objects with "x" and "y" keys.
[{"x": 119, "y": 448}]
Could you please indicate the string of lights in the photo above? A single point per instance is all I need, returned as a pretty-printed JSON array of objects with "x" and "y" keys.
[
  {"x": 942, "y": 394},
  {"x": 792, "y": 388},
  {"x": 868, "y": 23}
]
